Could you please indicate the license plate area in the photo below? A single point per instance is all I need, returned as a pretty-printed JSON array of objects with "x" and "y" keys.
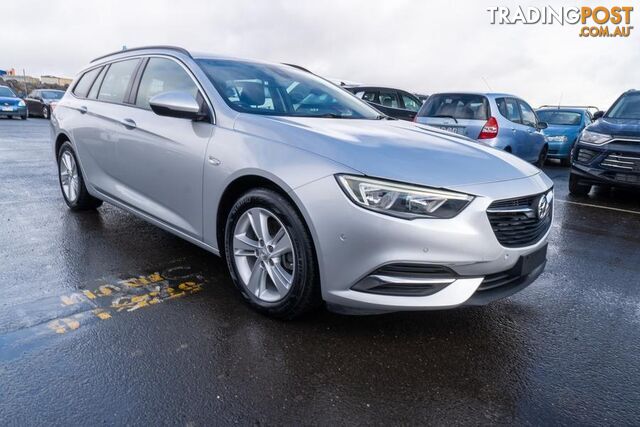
[
  {"x": 533, "y": 260},
  {"x": 454, "y": 129},
  {"x": 7, "y": 108}
]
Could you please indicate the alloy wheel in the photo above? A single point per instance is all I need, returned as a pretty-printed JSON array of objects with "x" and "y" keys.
[
  {"x": 263, "y": 254},
  {"x": 45, "y": 112},
  {"x": 69, "y": 177}
]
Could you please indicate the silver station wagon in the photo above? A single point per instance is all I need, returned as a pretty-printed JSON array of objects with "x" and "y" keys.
[{"x": 309, "y": 194}]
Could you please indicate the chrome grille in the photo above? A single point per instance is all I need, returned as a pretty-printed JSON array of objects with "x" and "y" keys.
[
  {"x": 517, "y": 223},
  {"x": 620, "y": 161}
]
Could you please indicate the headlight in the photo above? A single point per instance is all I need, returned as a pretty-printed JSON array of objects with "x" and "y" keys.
[
  {"x": 21, "y": 103},
  {"x": 403, "y": 201},
  {"x": 594, "y": 138},
  {"x": 557, "y": 138}
]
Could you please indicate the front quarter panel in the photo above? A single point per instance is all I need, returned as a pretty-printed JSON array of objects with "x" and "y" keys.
[{"x": 233, "y": 154}]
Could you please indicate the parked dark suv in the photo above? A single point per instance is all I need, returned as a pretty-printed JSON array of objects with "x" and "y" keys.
[
  {"x": 608, "y": 151},
  {"x": 395, "y": 103}
]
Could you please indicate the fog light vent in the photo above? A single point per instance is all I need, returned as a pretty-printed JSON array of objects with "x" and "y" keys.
[{"x": 407, "y": 280}]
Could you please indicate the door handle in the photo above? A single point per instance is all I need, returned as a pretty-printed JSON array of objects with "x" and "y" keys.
[
  {"x": 128, "y": 123},
  {"x": 83, "y": 110}
]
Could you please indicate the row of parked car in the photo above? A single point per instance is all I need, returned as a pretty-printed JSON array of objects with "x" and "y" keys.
[
  {"x": 39, "y": 102},
  {"x": 601, "y": 148},
  {"x": 500, "y": 120}
]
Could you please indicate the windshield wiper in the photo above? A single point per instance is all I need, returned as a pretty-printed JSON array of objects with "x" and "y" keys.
[{"x": 444, "y": 116}]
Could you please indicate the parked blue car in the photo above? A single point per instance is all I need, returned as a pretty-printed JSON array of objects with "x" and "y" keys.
[
  {"x": 11, "y": 105},
  {"x": 564, "y": 126},
  {"x": 608, "y": 150},
  {"x": 500, "y": 120}
]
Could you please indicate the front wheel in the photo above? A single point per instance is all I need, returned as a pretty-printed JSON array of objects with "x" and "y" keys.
[
  {"x": 45, "y": 112},
  {"x": 576, "y": 187},
  {"x": 542, "y": 157},
  {"x": 71, "y": 181},
  {"x": 270, "y": 255},
  {"x": 565, "y": 162}
]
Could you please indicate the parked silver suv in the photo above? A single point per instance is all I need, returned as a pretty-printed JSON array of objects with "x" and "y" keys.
[{"x": 308, "y": 192}]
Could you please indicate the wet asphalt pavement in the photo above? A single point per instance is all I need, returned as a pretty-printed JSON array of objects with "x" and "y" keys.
[{"x": 106, "y": 319}]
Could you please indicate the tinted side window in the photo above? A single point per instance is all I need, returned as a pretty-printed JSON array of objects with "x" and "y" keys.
[
  {"x": 93, "y": 93},
  {"x": 410, "y": 103},
  {"x": 528, "y": 116},
  {"x": 163, "y": 75},
  {"x": 116, "y": 81},
  {"x": 509, "y": 109},
  {"x": 389, "y": 99},
  {"x": 82, "y": 87}
]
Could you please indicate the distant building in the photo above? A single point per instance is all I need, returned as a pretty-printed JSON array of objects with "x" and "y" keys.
[
  {"x": 22, "y": 79},
  {"x": 53, "y": 80}
]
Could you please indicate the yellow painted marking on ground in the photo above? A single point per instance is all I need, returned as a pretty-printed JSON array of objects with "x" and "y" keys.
[
  {"x": 121, "y": 299},
  {"x": 71, "y": 299},
  {"x": 60, "y": 326},
  {"x": 101, "y": 314}
]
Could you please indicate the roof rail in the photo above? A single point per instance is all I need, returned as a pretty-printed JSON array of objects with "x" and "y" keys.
[
  {"x": 177, "y": 49},
  {"x": 569, "y": 106}
]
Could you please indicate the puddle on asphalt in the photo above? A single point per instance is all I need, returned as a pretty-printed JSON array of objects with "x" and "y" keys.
[{"x": 64, "y": 314}]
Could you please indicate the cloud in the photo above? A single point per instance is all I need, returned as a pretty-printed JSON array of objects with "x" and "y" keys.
[{"x": 418, "y": 45}]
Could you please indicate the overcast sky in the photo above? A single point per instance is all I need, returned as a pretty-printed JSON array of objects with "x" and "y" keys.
[{"x": 418, "y": 45}]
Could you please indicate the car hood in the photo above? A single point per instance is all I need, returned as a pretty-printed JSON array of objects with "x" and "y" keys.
[
  {"x": 569, "y": 131},
  {"x": 11, "y": 100},
  {"x": 616, "y": 127},
  {"x": 395, "y": 150}
]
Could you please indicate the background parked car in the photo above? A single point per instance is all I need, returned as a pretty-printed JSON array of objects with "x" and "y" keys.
[
  {"x": 501, "y": 120},
  {"x": 392, "y": 102},
  {"x": 564, "y": 126},
  {"x": 11, "y": 105},
  {"x": 39, "y": 101},
  {"x": 608, "y": 150},
  {"x": 423, "y": 98}
]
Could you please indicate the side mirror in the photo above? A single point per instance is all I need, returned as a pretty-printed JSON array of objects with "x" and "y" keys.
[
  {"x": 542, "y": 125},
  {"x": 597, "y": 115},
  {"x": 176, "y": 104}
]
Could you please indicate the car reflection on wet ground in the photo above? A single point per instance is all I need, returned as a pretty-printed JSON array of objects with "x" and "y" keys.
[{"x": 104, "y": 318}]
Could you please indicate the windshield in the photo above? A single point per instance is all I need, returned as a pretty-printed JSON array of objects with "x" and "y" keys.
[
  {"x": 281, "y": 91},
  {"x": 627, "y": 107},
  {"x": 52, "y": 94},
  {"x": 5, "y": 91},
  {"x": 456, "y": 105},
  {"x": 562, "y": 118}
]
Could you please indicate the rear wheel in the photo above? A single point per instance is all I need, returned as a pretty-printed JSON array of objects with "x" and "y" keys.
[
  {"x": 270, "y": 255},
  {"x": 565, "y": 162},
  {"x": 576, "y": 187},
  {"x": 71, "y": 181}
]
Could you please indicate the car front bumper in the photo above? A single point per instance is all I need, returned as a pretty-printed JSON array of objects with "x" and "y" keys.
[
  {"x": 559, "y": 150},
  {"x": 13, "y": 111},
  {"x": 354, "y": 244},
  {"x": 616, "y": 163}
]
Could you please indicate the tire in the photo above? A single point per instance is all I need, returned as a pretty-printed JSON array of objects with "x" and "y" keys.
[
  {"x": 298, "y": 265},
  {"x": 24, "y": 117},
  {"x": 576, "y": 187},
  {"x": 565, "y": 162},
  {"x": 72, "y": 185},
  {"x": 46, "y": 113},
  {"x": 542, "y": 158}
]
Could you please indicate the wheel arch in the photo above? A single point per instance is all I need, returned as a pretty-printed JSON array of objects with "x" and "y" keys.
[{"x": 251, "y": 180}]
